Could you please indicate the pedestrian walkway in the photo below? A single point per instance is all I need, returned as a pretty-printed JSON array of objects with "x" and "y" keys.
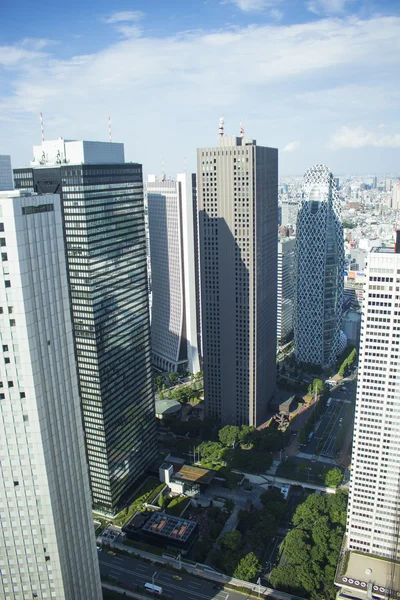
[{"x": 324, "y": 459}]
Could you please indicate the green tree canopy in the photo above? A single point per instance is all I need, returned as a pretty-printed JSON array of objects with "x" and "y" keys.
[
  {"x": 248, "y": 568},
  {"x": 297, "y": 547},
  {"x": 173, "y": 378},
  {"x": 228, "y": 435},
  {"x": 211, "y": 451},
  {"x": 231, "y": 540},
  {"x": 309, "y": 511},
  {"x": 334, "y": 477},
  {"x": 285, "y": 578}
]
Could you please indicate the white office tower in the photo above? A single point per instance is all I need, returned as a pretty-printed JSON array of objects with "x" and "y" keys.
[
  {"x": 373, "y": 517},
  {"x": 171, "y": 218},
  {"x": 6, "y": 176},
  {"x": 47, "y": 544},
  {"x": 285, "y": 297}
]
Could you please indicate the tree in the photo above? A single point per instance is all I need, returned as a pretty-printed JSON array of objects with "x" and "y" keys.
[
  {"x": 248, "y": 568},
  {"x": 231, "y": 540},
  {"x": 246, "y": 436},
  {"x": 297, "y": 547},
  {"x": 173, "y": 378},
  {"x": 316, "y": 387},
  {"x": 159, "y": 382},
  {"x": 228, "y": 435},
  {"x": 211, "y": 451},
  {"x": 334, "y": 477},
  {"x": 285, "y": 578}
]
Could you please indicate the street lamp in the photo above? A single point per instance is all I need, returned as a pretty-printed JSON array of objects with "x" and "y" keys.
[
  {"x": 259, "y": 586},
  {"x": 153, "y": 577}
]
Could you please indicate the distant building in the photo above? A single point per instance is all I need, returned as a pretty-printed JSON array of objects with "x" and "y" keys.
[
  {"x": 103, "y": 223},
  {"x": 238, "y": 221},
  {"x": 289, "y": 213},
  {"x": 285, "y": 296},
  {"x": 172, "y": 219},
  {"x": 6, "y": 176},
  {"x": 374, "y": 182},
  {"x": 46, "y": 534},
  {"x": 319, "y": 271}
]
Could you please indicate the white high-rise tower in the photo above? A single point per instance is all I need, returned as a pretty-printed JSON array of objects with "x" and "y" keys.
[{"x": 47, "y": 544}]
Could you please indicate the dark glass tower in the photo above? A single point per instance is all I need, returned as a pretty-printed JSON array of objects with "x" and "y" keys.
[{"x": 103, "y": 218}]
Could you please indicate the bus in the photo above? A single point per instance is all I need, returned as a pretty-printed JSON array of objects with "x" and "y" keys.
[
  {"x": 310, "y": 436},
  {"x": 154, "y": 589}
]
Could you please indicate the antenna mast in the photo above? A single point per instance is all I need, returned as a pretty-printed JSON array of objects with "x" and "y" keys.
[
  {"x": 241, "y": 131},
  {"x": 221, "y": 127},
  {"x": 109, "y": 130},
  {"x": 42, "y": 126}
]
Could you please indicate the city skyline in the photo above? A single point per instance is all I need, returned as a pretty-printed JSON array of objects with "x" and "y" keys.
[{"x": 275, "y": 56}]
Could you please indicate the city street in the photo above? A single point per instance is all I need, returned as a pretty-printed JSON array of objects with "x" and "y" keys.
[{"x": 131, "y": 571}]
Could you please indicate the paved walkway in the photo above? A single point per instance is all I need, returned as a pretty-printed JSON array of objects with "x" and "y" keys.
[{"x": 324, "y": 459}]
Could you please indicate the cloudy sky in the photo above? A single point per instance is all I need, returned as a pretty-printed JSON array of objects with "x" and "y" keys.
[{"x": 319, "y": 79}]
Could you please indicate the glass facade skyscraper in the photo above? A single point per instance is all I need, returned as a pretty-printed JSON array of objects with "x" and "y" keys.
[
  {"x": 103, "y": 218},
  {"x": 319, "y": 263}
]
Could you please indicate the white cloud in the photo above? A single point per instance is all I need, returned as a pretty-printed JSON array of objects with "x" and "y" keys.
[
  {"x": 252, "y": 5},
  {"x": 358, "y": 137},
  {"x": 165, "y": 94},
  {"x": 291, "y": 146},
  {"x": 125, "y": 17},
  {"x": 328, "y": 7}
]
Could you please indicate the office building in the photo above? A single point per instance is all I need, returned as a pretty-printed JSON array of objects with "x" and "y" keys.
[
  {"x": 319, "y": 271},
  {"x": 238, "y": 219},
  {"x": 46, "y": 534},
  {"x": 374, "y": 182},
  {"x": 173, "y": 274},
  {"x": 103, "y": 218},
  {"x": 286, "y": 247},
  {"x": 374, "y": 500},
  {"x": 6, "y": 178}
]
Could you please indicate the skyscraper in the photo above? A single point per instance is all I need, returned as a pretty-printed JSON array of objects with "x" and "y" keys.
[
  {"x": 289, "y": 213},
  {"x": 319, "y": 264},
  {"x": 103, "y": 218},
  {"x": 285, "y": 286},
  {"x": 238, "y": 219},
  {"x": 46, "y": 534},
  {"x": 6, "y": 178},
  {"x": 373, "y": 518},
  {"x": 173, "y": 273}
]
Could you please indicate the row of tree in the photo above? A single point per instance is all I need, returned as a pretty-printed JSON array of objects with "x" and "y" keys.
[
  {"x": 348, "y": 363},
  {"x": 311, "y": 550}
]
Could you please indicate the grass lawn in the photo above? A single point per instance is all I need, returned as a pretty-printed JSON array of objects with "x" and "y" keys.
[
  {"x": 176, "y": 506},
  {"x": 146, "y": 490}
]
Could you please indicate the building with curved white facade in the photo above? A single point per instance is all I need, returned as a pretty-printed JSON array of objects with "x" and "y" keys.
[
  {"x": 172, "y": 223},
  {"x": 319, "y": 262}
]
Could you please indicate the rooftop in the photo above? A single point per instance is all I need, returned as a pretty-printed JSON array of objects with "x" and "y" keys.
[
  {"x": 167, "y": 526},
  {"x": 194, "y": 474},
  {"x": 364, "y": 568}
]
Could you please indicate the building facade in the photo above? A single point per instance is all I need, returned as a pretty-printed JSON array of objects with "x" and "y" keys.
[
  {"x": 238, "y": 219},
  {"x": 173, "y": 274},
  {"x": 46, "y": 535},
  {"x": 6, "y": 177},
  {"x": 103, "y": 219},
  {"x": 374, "y": 500},
  {"x": 289, "y": 213},
  {"x": 286, "y": 248},
  {"x": 319, "y": 264}
]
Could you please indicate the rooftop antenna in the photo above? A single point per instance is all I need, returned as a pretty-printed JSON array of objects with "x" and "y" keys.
[
  {"x": 162, "y": 171},
  {"x": 241, "y": 131},
  {"x": 109, "y": 130},
  {"x": 42, "y": 126},
  {"x": 221, "y": 127}
]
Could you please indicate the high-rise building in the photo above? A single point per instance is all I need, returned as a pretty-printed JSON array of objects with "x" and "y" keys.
[
  {"x": 173, "y": 273},
  {"x": 374, "y": 182},
  {"x": 289, "y": 213},
  {"x": 286, "y": 247},
  {"x": 373, "y": 519},
  {"x": 103, "y": 218},
  {"x": 6, "y": 178},
  {"x": 319, "y": 264},
  {"x": 46, "y": 535},
  {"x": 238, "y": 219}
]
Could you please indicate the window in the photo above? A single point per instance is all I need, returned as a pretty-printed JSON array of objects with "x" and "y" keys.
[
  {"x": 2, "y": 241},
  {"x": 1, "y": 226},
  {"x": 5, "y": 348},
  {"x": 7, "y": 283},
  {"x": 10, "y": 384},
  {"x": 12, "y": 322},
  {"x": 7, "y": 360},
  {"x": 22, "y": 395},
  {"x": 4, "y": 256},
  {"x": 10, "y": 310}
]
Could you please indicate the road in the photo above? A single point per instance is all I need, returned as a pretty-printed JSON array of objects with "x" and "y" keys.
[
  {"x": 131, "y": 571},
  {"x": 330, "y": 424}
]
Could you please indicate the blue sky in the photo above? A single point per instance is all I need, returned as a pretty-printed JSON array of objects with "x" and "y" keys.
[{"x": 319, "y": 79}]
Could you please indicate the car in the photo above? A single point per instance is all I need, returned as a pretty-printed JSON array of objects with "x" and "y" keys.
[
  {"x": 177, "y": 577},
  {"x": 341, "y": 420},
  {"x": 99, "y": 548},
  {"x": 112, "y": 553}
]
